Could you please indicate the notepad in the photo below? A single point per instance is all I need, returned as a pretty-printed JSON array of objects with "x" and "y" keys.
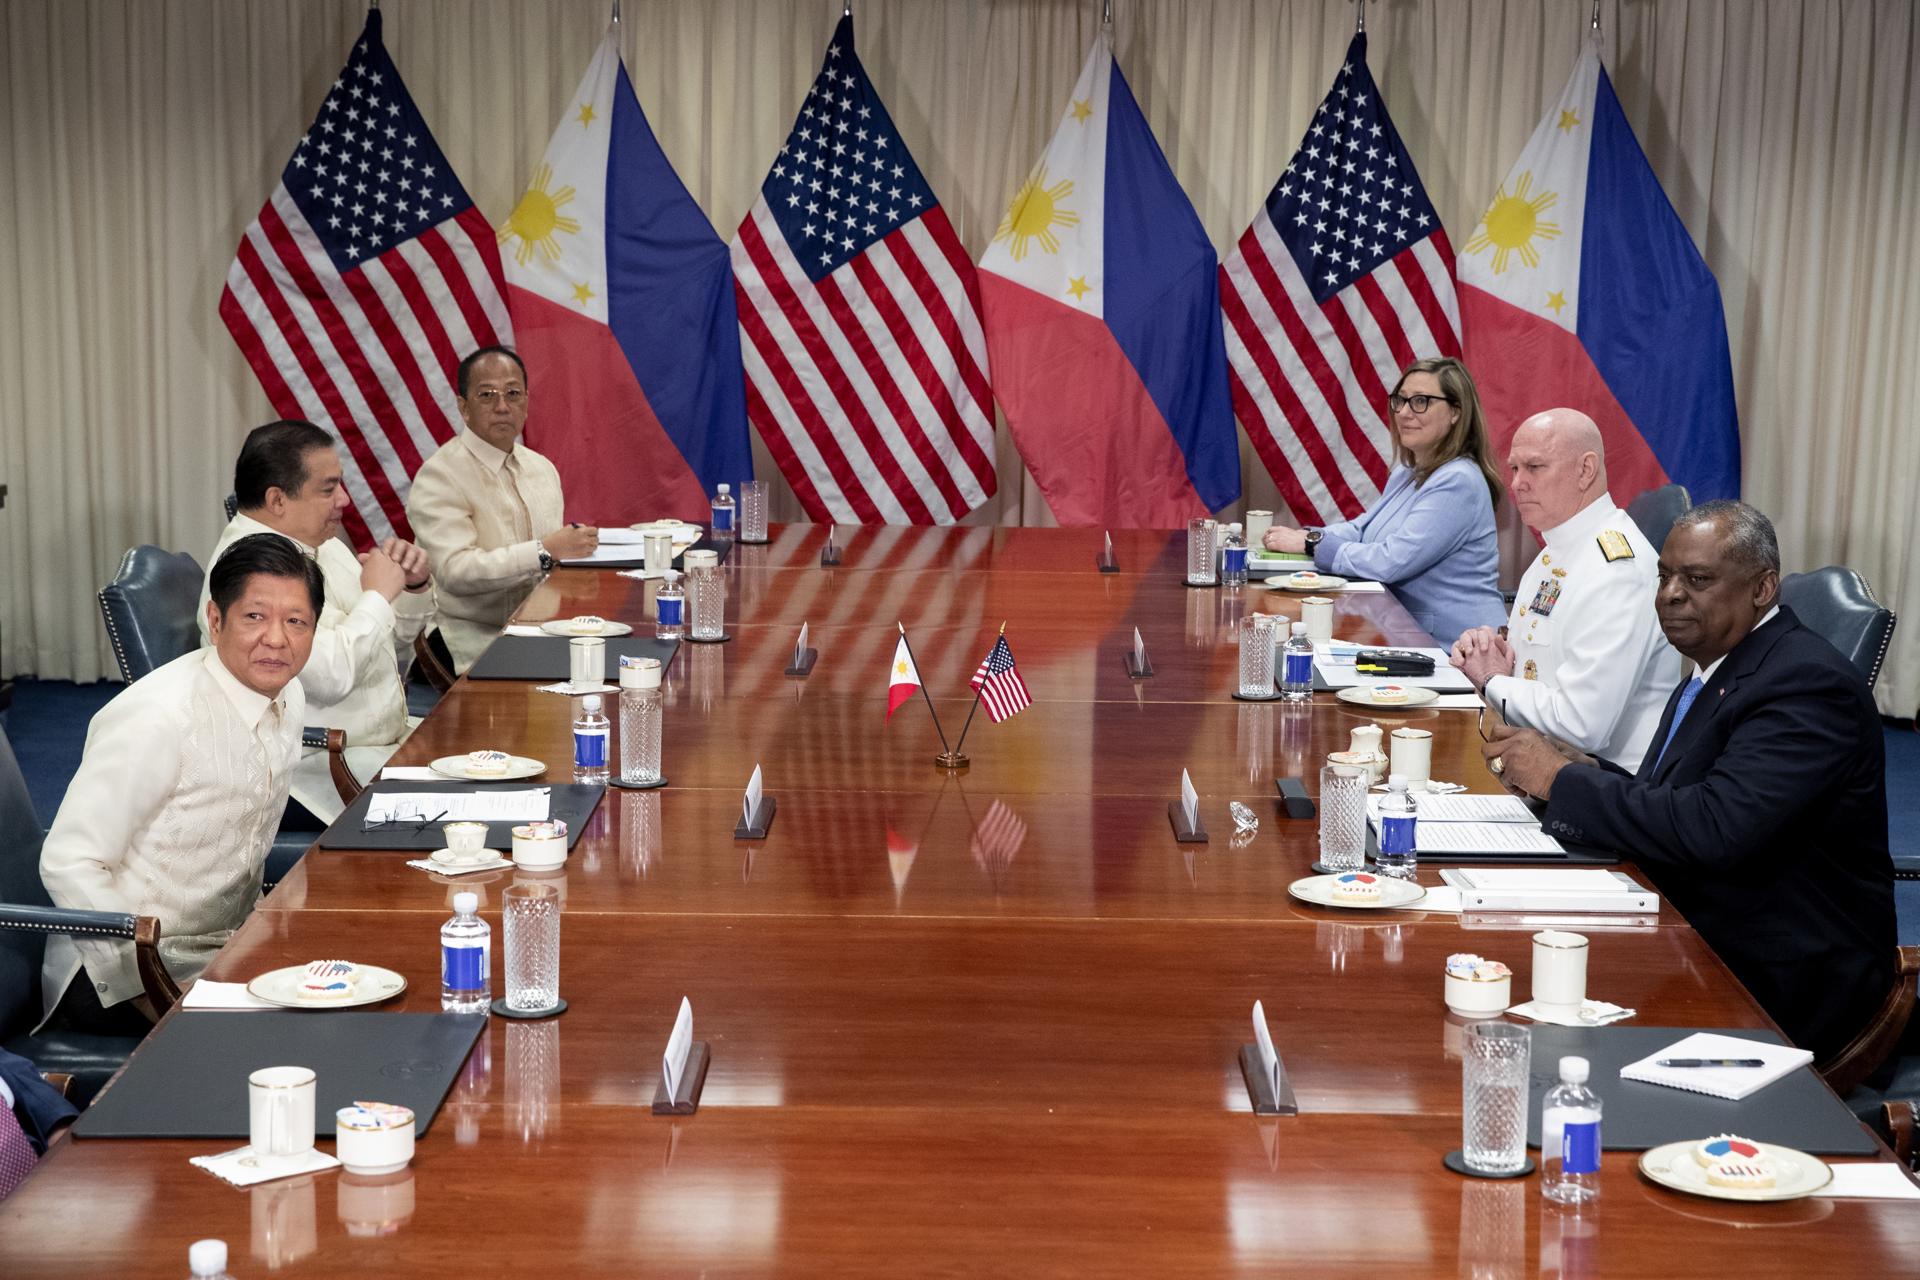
[
  {"x": 1465, "y": 808},
  {"x": 1484, "y": 837},
  {"x": 1731, "y": 1083}
]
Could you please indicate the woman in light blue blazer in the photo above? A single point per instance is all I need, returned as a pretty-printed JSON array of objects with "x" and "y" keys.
[{"x": 1431, "y": 535}]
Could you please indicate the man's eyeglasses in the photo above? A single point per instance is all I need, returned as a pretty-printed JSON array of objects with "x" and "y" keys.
[
  {"x": 1417, "y": 403},
  {"x": 515, "y": 396}
]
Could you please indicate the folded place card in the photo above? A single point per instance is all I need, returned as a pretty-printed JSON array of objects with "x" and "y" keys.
[
  {"x": 1269, "y": 1059},
  {"x": 1189, "y": 800}
]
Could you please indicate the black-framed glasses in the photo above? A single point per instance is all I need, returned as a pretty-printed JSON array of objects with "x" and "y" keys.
[{"x": 1417, "y": 403}]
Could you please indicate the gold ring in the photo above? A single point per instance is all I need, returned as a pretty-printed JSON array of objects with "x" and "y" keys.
[{"x": 1497, "y": 766}]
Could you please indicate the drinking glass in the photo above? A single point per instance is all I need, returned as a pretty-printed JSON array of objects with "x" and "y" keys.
[
  {"x": 641, "y": 720},
  {"x": 1343, "y": 817},
  {"x": 708, "y": 592},
  {"x": 753, "y": 511},
  {"x": 532, "y": 919},
  {"x": 1201, "y": 559},
  {"x": 1256, "y": 656},
  {"x": 1494, "y": 1087}
]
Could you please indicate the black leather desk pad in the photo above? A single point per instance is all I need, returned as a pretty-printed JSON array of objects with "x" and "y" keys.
[
  {"x": 189, "y": 1079},
  {"x": 1797, "y": 1110},
  {"x": 571, "y": 802},
  {"x": 545, "y": 658},
  {"x": 638, "y": 560}
]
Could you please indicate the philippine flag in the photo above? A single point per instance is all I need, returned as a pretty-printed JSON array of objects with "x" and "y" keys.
[
  {"x": 1102, "y": 306},
  {"x": 622, "y": 300},
  {"x": 1581, "y": 287}
]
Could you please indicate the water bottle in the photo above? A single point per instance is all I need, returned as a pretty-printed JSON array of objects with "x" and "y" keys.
[
  {"x": 1233, "y": 558},
  {"x": 1570, "y": 1137},
  {"x": 466, "y": 958},
  {"x": 1296, "y": 669},
  {"x": 1398, "y": 856},
  {"x": 590, "y": 733},
  {"x": 723, "y": 512},
  {"x": 669, "y": 608},
  {"x": 207, "y": 1260}
]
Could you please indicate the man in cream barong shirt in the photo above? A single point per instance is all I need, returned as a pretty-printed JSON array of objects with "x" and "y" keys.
[
  {"x": 488, "y": 511},
  {"x": 180, "y": 789},
  {"x": 288, "y": 481}
]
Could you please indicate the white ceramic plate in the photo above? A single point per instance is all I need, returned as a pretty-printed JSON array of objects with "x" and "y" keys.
[
  {"x": 1363, "y": 696},
  {"x": 564, "y": 627},
  {"x": 282, "y": 987},
  {"x": 1325, "y": 582},
  {"x": 1795, "y": 1173},
  {"x": 517, "y": 767},
  {"x": 1394, "y": 894}
]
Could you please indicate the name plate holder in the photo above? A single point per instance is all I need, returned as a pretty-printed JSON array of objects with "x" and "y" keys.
[
  {"x": 1184, "y": 814},
  {"x": 756, "y": 811},
  {"x": 803, "y": 657},
  {"x": 1138, "y": 665},
  {"x": 1105, "y": 560},
  {"x": 1269, "y": 1087},
  {"x": 683, "y": 1068},
  {"x": 1293, "y": 794},
  {"x": 829, "y": 554}
]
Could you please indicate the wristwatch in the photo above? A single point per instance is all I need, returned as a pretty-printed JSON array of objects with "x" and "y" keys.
[
  {"x": 546, "y": 557},
  {"x": 1313, "y": 537}
]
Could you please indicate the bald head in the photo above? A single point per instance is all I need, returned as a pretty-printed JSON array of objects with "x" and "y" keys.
[{"x": 1556, "y": 466}]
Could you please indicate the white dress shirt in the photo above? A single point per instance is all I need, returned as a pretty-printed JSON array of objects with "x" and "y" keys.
[
  {"x": 179, "y": 791},
  {"x": 479, "y": 513},
  {"x": 1591, "y": 665},
  {"x": 354, "y": 679}
]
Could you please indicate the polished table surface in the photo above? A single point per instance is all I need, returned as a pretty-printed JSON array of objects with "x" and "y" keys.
[{"x": 962, "y": 1023}]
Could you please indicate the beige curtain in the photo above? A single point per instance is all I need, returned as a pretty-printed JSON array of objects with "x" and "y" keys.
[{"x": 140, "y": 136}]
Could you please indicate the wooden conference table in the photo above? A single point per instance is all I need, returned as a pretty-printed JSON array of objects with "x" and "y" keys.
[{"x": 973, "y": 1023}]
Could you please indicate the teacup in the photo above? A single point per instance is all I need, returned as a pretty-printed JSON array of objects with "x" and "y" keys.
[{"x": 466, "y": 841}]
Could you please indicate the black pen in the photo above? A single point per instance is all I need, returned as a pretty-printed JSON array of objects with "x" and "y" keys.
[{"x": 1711, "y": 1062}]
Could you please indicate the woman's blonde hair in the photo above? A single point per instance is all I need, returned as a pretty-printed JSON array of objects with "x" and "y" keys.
[{"x": 1468, "y": 437}]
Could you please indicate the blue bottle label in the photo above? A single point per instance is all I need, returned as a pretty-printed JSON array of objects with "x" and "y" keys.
[
  {"x": 590, "y": 750},
  {"x": 1396, "y": 834},
  {"x": 1580, "y": 1148},
  {"x": 668, "y": 611},
  {"x": 463, "y": 968},
  {"x": 1299, "y": 669},
  {"x": 1236, "y": 558},
  {"x": 722, "y": 519}
]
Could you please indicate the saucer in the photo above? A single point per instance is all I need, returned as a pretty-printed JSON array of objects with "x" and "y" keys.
[{"x": 480, "y": 858}]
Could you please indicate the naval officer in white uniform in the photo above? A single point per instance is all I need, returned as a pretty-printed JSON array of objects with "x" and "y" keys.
[{"x": 1584, "y": 659}]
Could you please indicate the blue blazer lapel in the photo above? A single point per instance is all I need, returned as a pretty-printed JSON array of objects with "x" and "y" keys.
[{"x": 1742, "y": 661}]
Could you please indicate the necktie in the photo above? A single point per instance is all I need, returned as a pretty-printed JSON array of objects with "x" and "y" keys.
[
  {"x": 16, "y": 1152},
  {"x": 1687, "y": 695}
]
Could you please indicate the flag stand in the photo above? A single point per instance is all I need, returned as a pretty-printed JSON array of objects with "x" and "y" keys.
[{"x": 948, "y": 758}]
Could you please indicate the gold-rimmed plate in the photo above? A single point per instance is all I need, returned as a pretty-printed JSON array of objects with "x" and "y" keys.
[
  {"x": 282, "y": 987},
  {"x": 1795, "y": 1173}
]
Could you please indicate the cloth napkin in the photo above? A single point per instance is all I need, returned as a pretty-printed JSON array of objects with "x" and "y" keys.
[
  {"x": 222, "y": 995},
  {"x": 241, "y": 1168},
  {"x": 410, "y": 773},
  {"x": 640, "y": 575},
  {"x": 465, "y": 868},
  {"x": 1878, "y": 1180},
  {"x": 575, "y": 690},
  {"x": 523, "y": 629},
  {"x": 1593, "y": 1013}
]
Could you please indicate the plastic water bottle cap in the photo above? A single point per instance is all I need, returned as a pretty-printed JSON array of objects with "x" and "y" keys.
[
  {"x": 465, "y": 903},
  {"x": 207, "y": 1257},
  {"x": 1574, "y": 1070},
  {"x": 1396, "y": 782},
  {"x": 590, "y": 704},
  {"x": 1299, "y": 628},
  {"x": 1233, "y": 528},
  {"x": 726, "y": 488}
]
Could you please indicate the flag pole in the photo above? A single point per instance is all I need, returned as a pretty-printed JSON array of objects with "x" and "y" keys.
[
  {"x": 948, "y": 756},
  {"x": 976, "y": 701},
  {"x": 1106, "y": 14},
  {"x": 1360, "y": 17}
]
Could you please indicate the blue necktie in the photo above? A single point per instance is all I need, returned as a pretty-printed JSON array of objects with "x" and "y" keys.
[{"x": 1687, "y": 695}]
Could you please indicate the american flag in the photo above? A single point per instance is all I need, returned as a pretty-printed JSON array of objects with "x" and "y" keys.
[
  {"x": 1344, "y": 279},
  {"x": 1000, "y": 686},
  {"x": 860, "y": 319},
  {"x": 364, "y": 280}
]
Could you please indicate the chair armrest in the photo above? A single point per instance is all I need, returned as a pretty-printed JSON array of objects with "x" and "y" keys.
[
  {"x": 334, "y": 742},
  {"x": 60, "y": 1081},
  {"x": 142, "y": 931},
  {"x": 424, "y": 657},
  {"x": 1876, "y": 1041}
]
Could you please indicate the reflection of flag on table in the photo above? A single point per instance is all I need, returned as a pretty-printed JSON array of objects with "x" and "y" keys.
[
  {"x": 904, "y": 680},
  {"x": 1103, "y": 316},
  {"x": 622, "y": 302},
  {"x": 364, "y": 280},
  {"x": 1344, "y": 278},
  {"x": 1581, "y": 287},
  {"x": 860, "y": 319},
  {"x": 998, "y": 838},
  {"x": 1000, "y": 686}
]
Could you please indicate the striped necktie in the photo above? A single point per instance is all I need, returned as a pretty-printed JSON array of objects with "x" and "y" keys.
[{"x": 1687, "y": 695}]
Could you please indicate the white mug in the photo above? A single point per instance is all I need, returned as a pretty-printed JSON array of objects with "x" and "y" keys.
[
  {"x": 280, "y": 1111},
  {"x": 1257, "y": 524},
  {"x": 589, "y": 660},
  {"x": 1410, "y": 752},
  {"x": 1559, "y": 970},
  {"x": 658, "y": 551},
  {"x": 1317, "y": 613}
]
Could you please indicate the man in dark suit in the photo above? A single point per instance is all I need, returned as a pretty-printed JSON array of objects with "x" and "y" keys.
[{"x": 1763, "y": 817}]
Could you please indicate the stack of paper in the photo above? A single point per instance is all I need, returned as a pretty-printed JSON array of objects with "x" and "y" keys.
[
  {"x": 1576, "y": 890},
  {"x": 1475, "y": 824},
  {"x": 1336, "y": 669}
]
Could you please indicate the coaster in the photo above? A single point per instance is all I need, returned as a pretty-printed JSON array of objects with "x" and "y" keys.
[
  {"x": 637, "y": 786},
  {"x": 1322, "y": 868},
  {"x": 1199, "y": 586},
  {"x": 506, "y": 1011},
  {"x": 1457, "y": 1162},
  {"x": 719, "y": 639}
]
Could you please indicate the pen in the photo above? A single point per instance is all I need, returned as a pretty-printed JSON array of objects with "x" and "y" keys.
[{"x": 1710, "y": 1062}]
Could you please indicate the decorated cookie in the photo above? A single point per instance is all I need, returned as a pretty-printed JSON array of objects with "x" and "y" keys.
[
  {"x": 329, "y": 980},
  {"x": 1357, "y": 886}
]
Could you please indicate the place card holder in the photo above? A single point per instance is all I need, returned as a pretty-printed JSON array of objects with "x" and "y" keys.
[
  {"x": 830, "y": 554},
  {"x": 1260, "y": 1091},
  {"x": 1293, "y": 794},
  {"x": 1186, "y": 829},
  {"x": 693, "y": 1078},
  {"x": 1104, "y": 559},
  {"x": 1139, "y": 666},
  {"x": 756, "y": 827},
  {"x": 803, "y": 656}
]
